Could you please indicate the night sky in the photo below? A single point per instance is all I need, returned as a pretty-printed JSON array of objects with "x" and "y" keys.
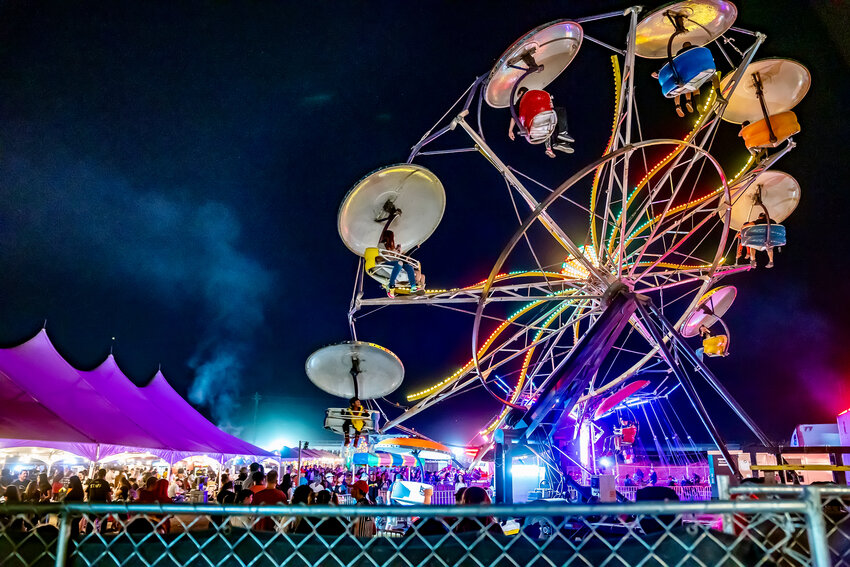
[{"x": 170, "y": 175}]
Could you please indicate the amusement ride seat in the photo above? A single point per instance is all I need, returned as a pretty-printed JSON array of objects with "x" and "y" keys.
[
  {"x": 717, "y": 345},
  {"x": 755, "y": 236},
  {"x": 380, "y": 271},
  {"x": 686, "y": 72},
  {"x": 335, "y": 418},
  {"x": 537, "y": 116},
  {"x": 758, "y": 134}
]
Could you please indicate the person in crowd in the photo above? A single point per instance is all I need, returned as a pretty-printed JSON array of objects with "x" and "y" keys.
[
  {"x": 258, "y": 482},
  {"x": 22, "y": 481},
  {"x": 226, "y": 495},
  {"x": 374, "y": 487},
  {"x": 476, "y": 496},
  {"x": 253, "y": 468},
  {"x": 270, "y": 495},
  {"x": 330, "y": 526},
  {"x": 99, "y": 489},
  {"x": 459, "y": 481},
  {"x": 161, "y": 492},
  {"x": 302, "y": 496},
  {"x": 362, "y": 526},
  {"x": 14, "y": 523},
  {"x": 317, "y": 485},
  {"x": 339, "y": 487},
  {"x": 244, "y": 497},
  {"x": 176, "y": 489},
  {"x": 123, "y": 490},
  {"x": 58, "y": 484},
  {"x": 651, "y": 525},
  {"x": 45, "y": 489},
  {"x": 75, "y": 493},
  {"x": 147, "y": 495},
  {"x": 286, "y": 485},
  {"x": 31, "y": 494}
]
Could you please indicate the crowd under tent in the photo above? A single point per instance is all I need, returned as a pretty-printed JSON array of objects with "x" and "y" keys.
[{"x": 101, "y": 413}]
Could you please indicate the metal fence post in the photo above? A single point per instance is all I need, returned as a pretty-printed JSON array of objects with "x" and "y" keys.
[
  {"x": 816, "y": 527},
  {"x": 64, "y": 536},
  {"x": 723, "y": 494}
]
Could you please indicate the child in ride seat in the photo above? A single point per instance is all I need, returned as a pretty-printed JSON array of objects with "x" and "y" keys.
[{"x": 355, "y": 421}]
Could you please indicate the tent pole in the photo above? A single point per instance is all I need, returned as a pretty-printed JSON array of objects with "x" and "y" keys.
[
  {"x": 95, "y": 461},
  {"x": 220, "y": 467},
  {"x": 299, "y": 464}
]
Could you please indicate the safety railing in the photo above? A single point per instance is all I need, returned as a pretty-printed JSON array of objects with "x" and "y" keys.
[{"x": 784, "y": 531}]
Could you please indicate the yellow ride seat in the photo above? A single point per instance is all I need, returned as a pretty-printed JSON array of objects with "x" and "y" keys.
[
  {"x": 371, "y": 258},
  {"x": 756, "y": 135},
  {"x": 716, "y": 345}
]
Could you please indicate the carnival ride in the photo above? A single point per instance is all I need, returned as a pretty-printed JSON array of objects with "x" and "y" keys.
[{"x": 601, "y": 332}]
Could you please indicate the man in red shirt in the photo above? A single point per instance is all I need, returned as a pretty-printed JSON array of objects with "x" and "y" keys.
[{"x": 269, "y": 495}]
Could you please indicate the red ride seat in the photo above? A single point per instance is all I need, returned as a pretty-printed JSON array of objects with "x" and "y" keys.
[{"x": 537, "y": 116}]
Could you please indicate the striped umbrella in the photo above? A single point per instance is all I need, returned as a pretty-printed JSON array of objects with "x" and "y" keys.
[
  {"x": 384, "y": 459},
  {"x": 422, "y": 448}
]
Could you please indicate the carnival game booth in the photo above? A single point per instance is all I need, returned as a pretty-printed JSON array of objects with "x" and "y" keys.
[
  {"x": 97, "y": 414},
  {"x": 309, "y": 456}
]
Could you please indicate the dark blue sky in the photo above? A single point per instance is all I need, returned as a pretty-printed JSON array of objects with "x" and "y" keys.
[{"x": 170, "y": 176}]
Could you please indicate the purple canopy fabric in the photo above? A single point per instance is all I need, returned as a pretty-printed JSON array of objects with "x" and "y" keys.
[{"x": 48, "y": 403}]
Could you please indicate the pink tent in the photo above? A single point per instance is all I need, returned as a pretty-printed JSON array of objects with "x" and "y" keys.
[{"x": 48, "y": 403}]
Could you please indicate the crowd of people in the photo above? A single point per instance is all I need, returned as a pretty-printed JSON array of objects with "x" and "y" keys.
[{"x": 251, "y": 485}]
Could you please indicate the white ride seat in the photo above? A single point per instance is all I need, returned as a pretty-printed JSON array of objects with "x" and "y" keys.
[{"x": 336, "y": 417}]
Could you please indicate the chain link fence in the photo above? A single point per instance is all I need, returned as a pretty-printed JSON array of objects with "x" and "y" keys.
[
  {"x": 801, "y": 528},
  {"x": 829, "y": 514}
]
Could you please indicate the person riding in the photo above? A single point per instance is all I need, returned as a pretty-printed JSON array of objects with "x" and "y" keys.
[
  {"x": 542, "y": 121},
  {"x": 762, "y": 219},
  {"x": 355, "y": 421},
  {"x": 387, "y": 242}
]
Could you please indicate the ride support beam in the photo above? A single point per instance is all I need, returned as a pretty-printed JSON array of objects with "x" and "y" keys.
[
  {"x": 578, "y": 368},
  {"x": 505, "y": 439},
  {"x": 709, "y": 377},
  {"x": 687, "y": 385},
  {"x": 554, "y": 229}
]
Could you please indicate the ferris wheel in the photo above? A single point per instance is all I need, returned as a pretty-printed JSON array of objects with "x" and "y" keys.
[{"x": 566, "y": 340}]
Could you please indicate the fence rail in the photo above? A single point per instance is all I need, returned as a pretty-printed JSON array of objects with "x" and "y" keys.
[
  {"x": 780, "y": 527},
  {"x": 697, "y": 492}
]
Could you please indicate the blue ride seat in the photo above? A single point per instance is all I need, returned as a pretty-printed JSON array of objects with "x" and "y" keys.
[
  {"x": 756, "y": 236},
  {"x": 687, "y": 72}
]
